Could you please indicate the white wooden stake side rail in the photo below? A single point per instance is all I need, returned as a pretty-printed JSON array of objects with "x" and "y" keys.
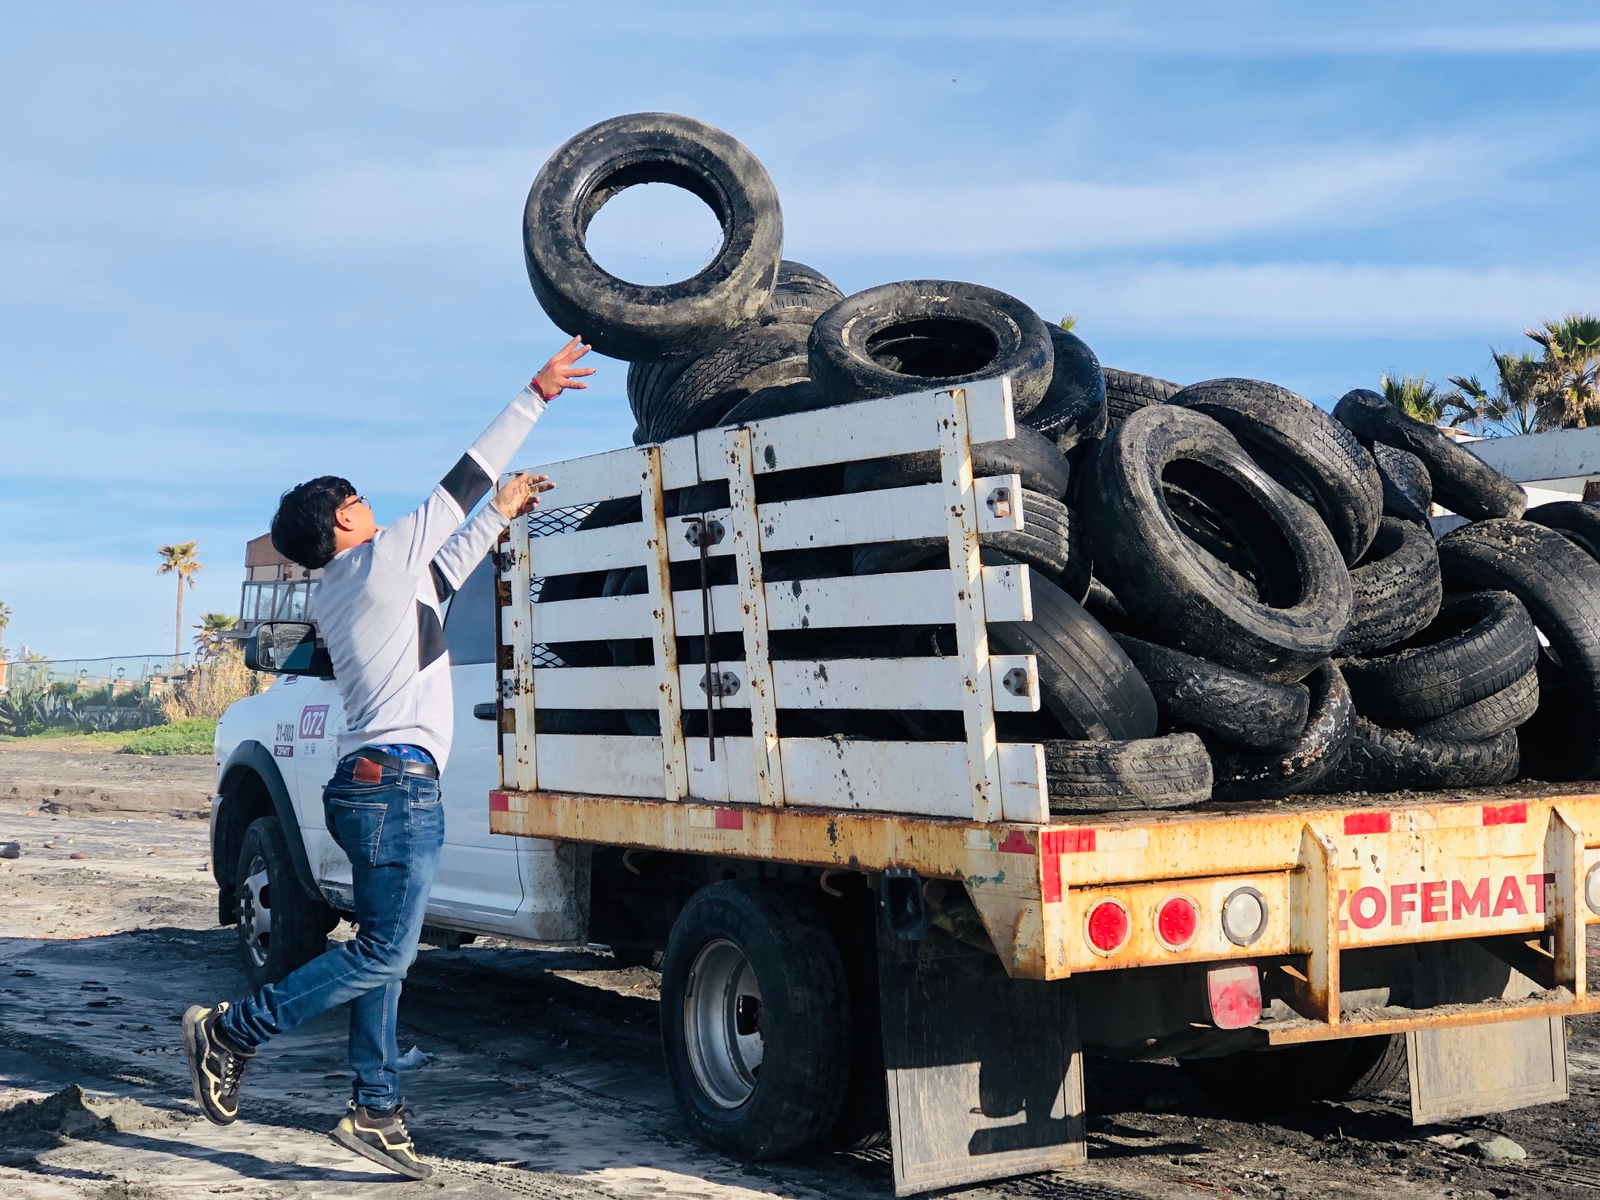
[
  {"x": 663, "y": 628},
  {"x": 978, "y": 778},
  {"x": 746, "y": 530},
  {"x": 520, "y": 683}
]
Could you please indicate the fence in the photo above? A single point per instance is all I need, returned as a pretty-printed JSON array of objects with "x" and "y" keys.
[{"x": 121, "y": 674}]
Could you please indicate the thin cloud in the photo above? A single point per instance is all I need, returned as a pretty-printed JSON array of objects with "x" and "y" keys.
[{"x": 1337, "y": 299}]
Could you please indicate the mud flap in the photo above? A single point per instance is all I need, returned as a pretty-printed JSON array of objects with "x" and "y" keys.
[
  {"x": 985, "y": 1073},
  {"x": 1472, "y": 1070}
]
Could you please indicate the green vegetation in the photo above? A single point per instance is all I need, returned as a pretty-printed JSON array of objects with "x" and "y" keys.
[
  {"x": 1558, "y": 390},
  {"x": 193, "y": 736}
]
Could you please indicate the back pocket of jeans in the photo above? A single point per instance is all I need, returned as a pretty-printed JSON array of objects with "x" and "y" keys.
[{"x": 357, "y": 827}]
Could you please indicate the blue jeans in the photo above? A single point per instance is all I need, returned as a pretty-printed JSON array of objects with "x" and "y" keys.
[{"x": 392, "y": 830}]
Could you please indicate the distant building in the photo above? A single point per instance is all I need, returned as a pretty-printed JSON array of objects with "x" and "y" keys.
[{"x": 275, "y": 589}]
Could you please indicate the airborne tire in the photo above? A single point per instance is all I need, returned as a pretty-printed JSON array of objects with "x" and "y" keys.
[{"x": 635, "y": 321}]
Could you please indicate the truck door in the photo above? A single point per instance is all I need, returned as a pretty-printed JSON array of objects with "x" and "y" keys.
[
  {"x": 479, "y": 881},
  {"x": 318, "y": 716}
]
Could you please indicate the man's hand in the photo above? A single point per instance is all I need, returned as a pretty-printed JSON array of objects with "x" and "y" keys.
[
  {"x": 559, "y": 373},
  {"x": 520, "y": 495}
]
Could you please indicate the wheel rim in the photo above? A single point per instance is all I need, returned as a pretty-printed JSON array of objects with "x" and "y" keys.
[
  {"x": 255, "y": 912},
  {"x": 722, "y": 1023}
]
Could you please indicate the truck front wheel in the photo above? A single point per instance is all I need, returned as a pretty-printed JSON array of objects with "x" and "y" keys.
[
  {"x": 755, "y": 1020},
  {"x": 280, "y": 927}
]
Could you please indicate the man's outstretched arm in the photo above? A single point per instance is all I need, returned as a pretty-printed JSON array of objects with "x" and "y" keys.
[{"x": 411, "y": 543}]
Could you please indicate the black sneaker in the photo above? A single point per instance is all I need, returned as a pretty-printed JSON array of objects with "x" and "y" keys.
[
  {"x": 382, "y": 1137},
  {"x": 215, "y": 1067}
]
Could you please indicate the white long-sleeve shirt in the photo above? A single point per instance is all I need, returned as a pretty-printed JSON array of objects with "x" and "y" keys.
[{"x": 378, "y": 606}]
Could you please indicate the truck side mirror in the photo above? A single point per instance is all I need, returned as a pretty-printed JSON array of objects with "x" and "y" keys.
[{"x": 288, "y": 648}]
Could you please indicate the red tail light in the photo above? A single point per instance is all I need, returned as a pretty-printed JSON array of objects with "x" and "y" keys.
[
  {"x": 1176, "y": 922},
  {"x": 1108, "y": 926}
]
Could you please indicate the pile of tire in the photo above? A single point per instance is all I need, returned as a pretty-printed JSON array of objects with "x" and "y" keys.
[{"x": 1236, "y": 594}]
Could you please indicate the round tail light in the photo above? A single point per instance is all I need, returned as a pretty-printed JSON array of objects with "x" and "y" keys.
[
  {"x": 1176, "y": 922},
  {"x": 1244, "y": 916},
  {"x": 1108, "y": 926},
  {"x": 1591, "y": 889}
]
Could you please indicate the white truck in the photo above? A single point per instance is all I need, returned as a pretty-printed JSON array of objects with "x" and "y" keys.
[{"x": 866, "y": 936}]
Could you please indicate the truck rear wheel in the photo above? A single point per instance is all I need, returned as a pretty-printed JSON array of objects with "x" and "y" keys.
[
  {"x": 280, "y": 927},
  {"x": 755, "y": 1020}
]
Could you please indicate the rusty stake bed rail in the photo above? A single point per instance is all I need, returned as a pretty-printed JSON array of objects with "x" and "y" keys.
[{"x": 1514, "y": 870}]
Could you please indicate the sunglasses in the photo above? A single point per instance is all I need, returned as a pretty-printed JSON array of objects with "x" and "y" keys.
[{"x": 353, "y": 500}]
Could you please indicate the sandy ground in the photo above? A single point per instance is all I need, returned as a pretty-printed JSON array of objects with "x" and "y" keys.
[{"x": 546, "y": 1078}]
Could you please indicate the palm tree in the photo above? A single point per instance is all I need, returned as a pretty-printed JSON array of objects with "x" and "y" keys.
[
  {"x": 1570, "y": 368},
  {"x": 1423, "y": 401},
  {"x": 1514, "y": 406},
  {"x": 181, "y": 559},
  {"x": 212, "y": 626}
]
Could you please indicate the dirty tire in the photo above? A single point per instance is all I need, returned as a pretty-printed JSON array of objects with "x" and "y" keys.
[
  {"x": 637, "y": 321},
  {"x": 1376, "y": 1065},
  {"x": 1127, "y": 392},
  {"x": 802, "y": 294},
  {"x": 298, "y": 924},
  {"x": 1149, "y": 773},
  {"x": 1268, "y": 595},
  {"x": 1030, "y": 454},
  {"x": 1301, "y": 447},
  {"x": 923, "y": 334},
  {"x": 1407, "y": 490},
  {"x": 1506, "y": 709},
  {"x": 755, "y": 358},
  {"x": 1051, "y": 542},
  {"x": 1240, "y": 775},
  {"x": 1394, "y": 589},
  {"x": 1074, "y": 405},
  {"x": 1479, "y": 644},
  {"x": 1390, "y": 760},
  {"x": 803, "y": 1019},
  {"x": 776, "y": 400},
  {"x": 1086, "y": 680},
  {"x": 1241, "y": 709},
  {"x": 1559, "y": 585},
  {"x": 648, "y": 382},
  {"x": 1579, "y": 523},
  {"x": 1461, "y": 482}
]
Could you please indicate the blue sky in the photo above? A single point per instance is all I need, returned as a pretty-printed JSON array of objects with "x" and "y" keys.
[{"x": 241, "y": 245}]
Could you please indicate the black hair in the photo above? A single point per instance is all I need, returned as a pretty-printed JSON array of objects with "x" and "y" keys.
[{"x": 302, "y": 528}]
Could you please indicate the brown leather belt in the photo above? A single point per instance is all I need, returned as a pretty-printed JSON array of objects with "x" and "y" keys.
[{"x": 395, "y": 763}]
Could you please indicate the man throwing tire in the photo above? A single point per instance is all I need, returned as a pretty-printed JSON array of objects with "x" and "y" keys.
[{"x": 378, "y": 611}]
